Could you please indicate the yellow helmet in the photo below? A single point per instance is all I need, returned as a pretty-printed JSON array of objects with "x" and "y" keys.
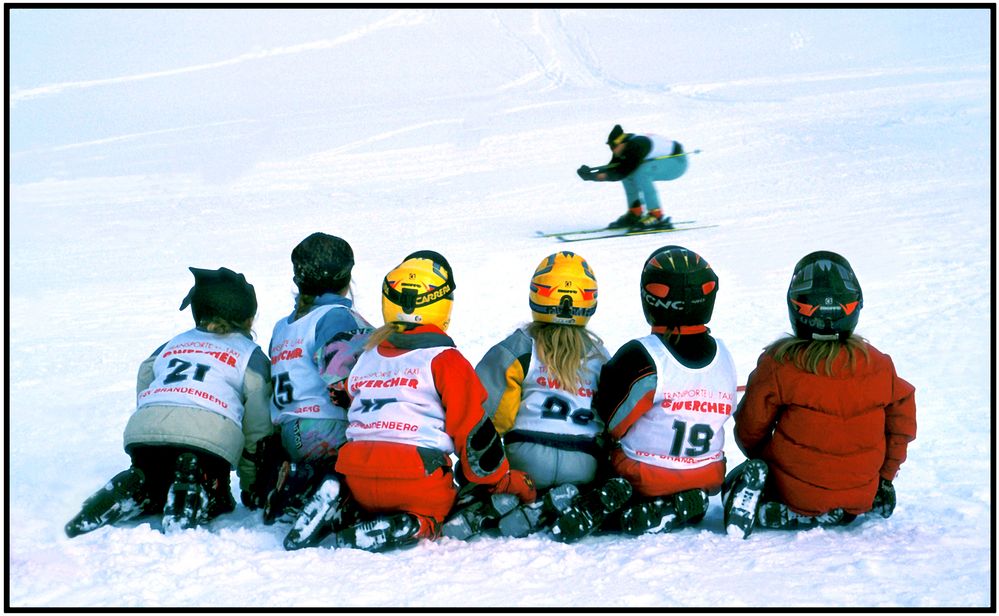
[
  {"x": 419, "y": 290},
  {"x": 563, "y": 290}
]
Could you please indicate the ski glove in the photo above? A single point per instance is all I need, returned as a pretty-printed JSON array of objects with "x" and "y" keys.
[
  {"x": 267, "y": 459},
  {"x": 884, "y": 500},
  {"x": 517, "y": 483},
  {"x": 584, "y": 172}
]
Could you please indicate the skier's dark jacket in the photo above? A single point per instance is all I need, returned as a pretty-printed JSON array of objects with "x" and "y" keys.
[{"x": 636, "y": 149}]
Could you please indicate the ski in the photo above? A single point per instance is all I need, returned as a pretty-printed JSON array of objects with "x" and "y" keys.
[
  {"x": 625, "y": 233},
  {"x": 592, "y": 231}
]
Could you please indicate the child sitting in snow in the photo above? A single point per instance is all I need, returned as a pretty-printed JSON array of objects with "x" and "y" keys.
[
  {"x": 202, "y": 408},
  {"x": 312, "y": 351},
  {"x": 665, "y": 399},
  {"x": 825, "y": 421},
  {"x": 415, "y": 401},
  {"x": 541, "y": 381}
]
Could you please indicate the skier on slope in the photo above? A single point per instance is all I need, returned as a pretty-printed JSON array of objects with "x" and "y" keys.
[
  {"x": 665, "y": 398},
  {"x": 415, "y": 401},
  {"x": 825, "y": 419},
  {"x": 312, "y": 351},
  {"x": 637, "y": 161},
  {"x": 202, "y": 408},
  {"x": 540, "y": 381}
]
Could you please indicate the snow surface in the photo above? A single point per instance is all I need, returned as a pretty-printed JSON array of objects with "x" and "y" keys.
[{"x": 145, "y": 141}]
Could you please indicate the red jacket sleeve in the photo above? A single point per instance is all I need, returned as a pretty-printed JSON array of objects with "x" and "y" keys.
[
  {"x": 757, "y": 411},
  {"x": 900, "y": 425},
  {"x": 476, "y": 443}
]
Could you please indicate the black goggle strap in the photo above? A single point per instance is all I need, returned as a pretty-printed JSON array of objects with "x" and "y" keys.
[
  {"x": 408, "y": 299},
  {"x": 564, "y": 309}
]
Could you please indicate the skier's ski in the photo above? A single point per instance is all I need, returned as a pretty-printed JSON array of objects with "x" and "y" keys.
[
  {"x": 625, "y": 233},
  {"x": 600, "y": 230}
]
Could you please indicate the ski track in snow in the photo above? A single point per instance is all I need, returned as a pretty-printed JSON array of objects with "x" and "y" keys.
[{"x": 887, "y": 162}]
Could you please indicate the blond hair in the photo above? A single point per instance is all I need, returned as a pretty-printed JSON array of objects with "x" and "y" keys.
[
  {"x": 810, "y": 355},
  {"x": 382, "y": 333},
  {"x": 563, "y": 349}
]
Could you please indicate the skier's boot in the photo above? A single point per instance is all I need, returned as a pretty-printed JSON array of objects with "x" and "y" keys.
[
  {"x": 122, "y": 498},
  {"x": 387, "y": 532},
  {"x": 662, "y": 514},
  {"x": 743, "y": 488},
  {"x": 652, "y": 220},
  {"x": 526, "y": 519},
  {"x": 328, "y": 510},
  {"x": 187, "y": 499},
  {"x": 774, "y": 514},
  {"x": 630, "y": 218},
  {"x": 475, "y": 517},
  {"x": 589, "y": 511},
  {"x": 296, "y": 483}
]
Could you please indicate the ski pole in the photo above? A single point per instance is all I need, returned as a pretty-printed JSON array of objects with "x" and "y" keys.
[{"x": 698, "y": 151}]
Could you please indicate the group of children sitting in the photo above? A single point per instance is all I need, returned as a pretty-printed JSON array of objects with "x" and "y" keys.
[{"x": 376, "y": 438}]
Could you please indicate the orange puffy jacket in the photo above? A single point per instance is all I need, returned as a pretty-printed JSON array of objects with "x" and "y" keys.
[{"x": 827, "y": 439}]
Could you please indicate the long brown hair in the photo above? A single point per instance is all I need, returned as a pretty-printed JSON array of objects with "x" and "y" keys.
[
  {"x": 304, "y": 302},
  {"x": 563, "y": 349},
  {"x": 811, "y": 355}
]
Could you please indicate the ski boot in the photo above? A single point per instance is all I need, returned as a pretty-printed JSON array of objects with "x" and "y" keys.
[
  {"x": 296, "y": 483},
  {"x": 664, "y": 513},
  {"x": 187, "y": 500},
  {"x": 777, "y": 515},
  {"x": 220, "y": 499},
  {"x": 326, "y": 511},
  {"x": 120, "y": 499},
  {"x": 383, "y": 533},
  {"x": 526, "y": 519},
  {"x": 472, "y": 519},
  {"x": 627, "y": 220},
  {"x": 650, "y": 222},
  {"x": 589, "y": 511},
  {"x": 743, "y": 488}
]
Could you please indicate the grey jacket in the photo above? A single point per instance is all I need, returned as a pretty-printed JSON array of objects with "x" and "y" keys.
[{"x": 204, "y": 430}]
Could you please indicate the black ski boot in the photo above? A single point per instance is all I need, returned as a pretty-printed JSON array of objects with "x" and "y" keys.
[
  {"x": 296, "y": 483},
  {"x": 479, "y": 515},
  {"x": 589, "y": 511},
  {"x": 532, "y": 517},
  {"x": 187, "y": 500},
  {"x": 662, "y": 514},
  {"x": 743, "y": 488},
  {"x": 382, "y": 533},
  {"x": 120, "y": 499},
  {"x": 625, "y": 221},
  {"x": 327, "y": 511},
  {"x": 777, "y": 515}
]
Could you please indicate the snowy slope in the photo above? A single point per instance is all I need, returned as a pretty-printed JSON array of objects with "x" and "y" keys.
[{"x": 145, "y": 141}]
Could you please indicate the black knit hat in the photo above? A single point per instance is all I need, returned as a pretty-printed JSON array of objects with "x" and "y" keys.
[
  {"x": 615, "y": 133},
  {"x": 322, "y": 264},
  {"x": 220, "y": 293}
]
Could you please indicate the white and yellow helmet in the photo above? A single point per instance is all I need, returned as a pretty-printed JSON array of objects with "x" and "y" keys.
[
  {"x": 419, "y": 290},
  {"x": 563, "y": 290}
]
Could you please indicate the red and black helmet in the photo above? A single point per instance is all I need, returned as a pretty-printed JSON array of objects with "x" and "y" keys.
[
  {"x": 824, "y": 298},
  {"x": 678, "y": 288}
]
